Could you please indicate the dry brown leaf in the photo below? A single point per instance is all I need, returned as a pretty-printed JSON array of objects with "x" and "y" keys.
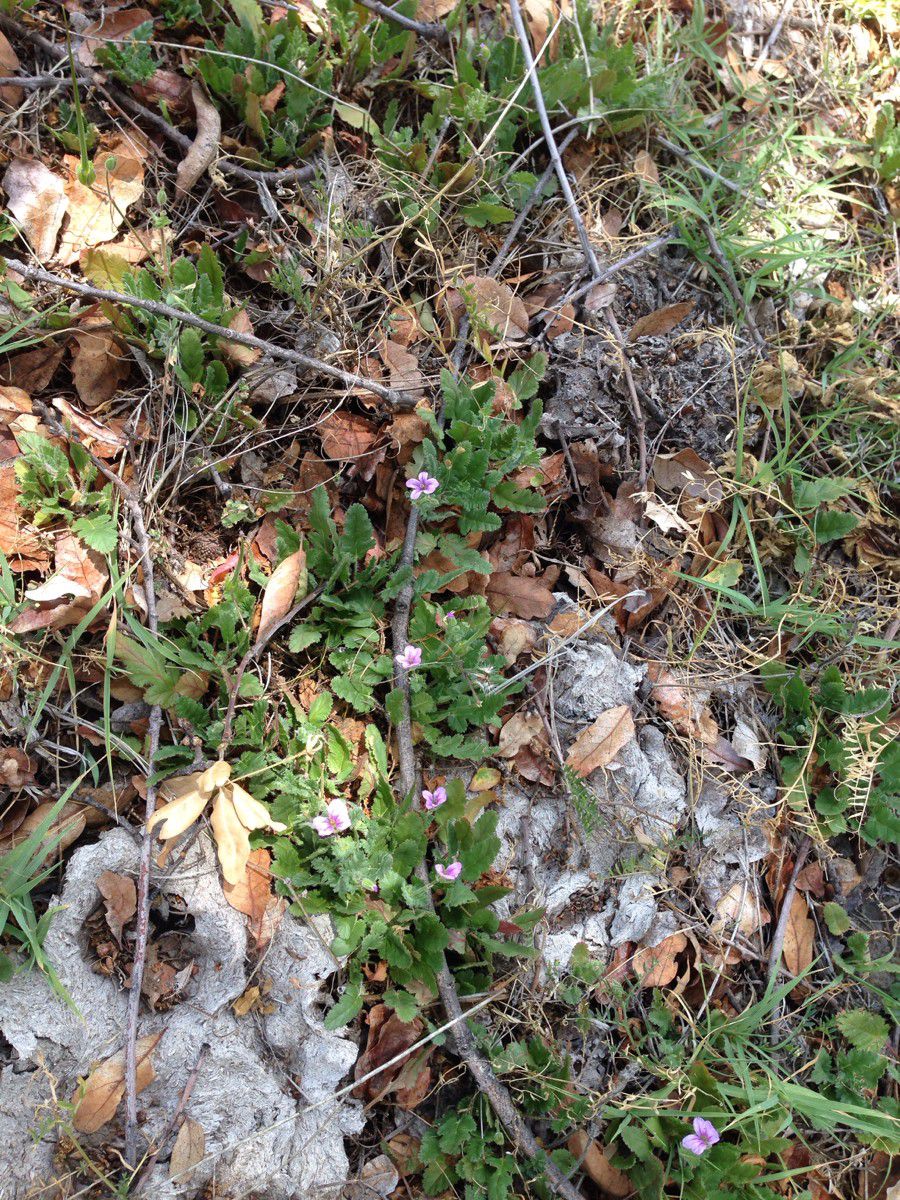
[
  {"x": 433, "y": 10},
  {"x": 77, "y": 584},
  {"x": 100, "y": 363},
  {"x": 403, "y": 366},
  {"x": 254, "y": 893},
  {"x": 106, "y": 441},
  {"x": 18, "y": 541},
  {"x": 514, "y": 637},
  {"x": 595, "y": 1162},
  {"x": 32, "y": 370},
  {"x": 496, "y": 307},
  {"x": 660, "y": 322},
  {"x": 97, "y": 212},
  {"x": 186, "y": 797},
  {"x": 600, "y": 296},
  {"x": 234, "y": 352},
  {"x": 188, "y": 1150},
  {"x": 599, "y": 744},
  {"x": 67, "y": 827},
  {"x": 685, "y": 471},
  {"x": 739, "y": 909},
  {"x": 114, "y": 26},
  {"x": 656, "y": 966},
  {"x": 205, "y": 145},
  {"x": 389, "y": 1037},
  {"x": 11, "y": 94},
  {"x": 677, "y": 704},
  {"x": 522, "y": 729},
  {"x": 645, "y": 168},
  {"x": 799, "y": 937},
  {"x": 523, "y": 595},
  {"x": 100, "y": 1094},
  {"x": 120, "y": 900},
  {"x": 37, "y": 199},
  {"x": 346, "y": 436},
  {"x": 281, "y": 591}
]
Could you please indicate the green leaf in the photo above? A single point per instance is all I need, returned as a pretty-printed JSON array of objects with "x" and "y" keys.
[
  {"x": 46, "y": 458},
  {"x": 349, "y": 1006},
  {"x": 190, "y": 354},
  {"x": 486, "y": 212},
  {"x": 404, "y": 1004},
  {"x": 863, "y": 1029},
  {"x": 358, "y": 537},
  {"x": 835, "y": 918},
  {"x": 303, "y": 636},
  {"x": 637, "y": 1141},
  {"x": 98, "y": 532},
  {"x": 510, "y": 496},
  {"x": 810, "y": 493},
  {"x": 358, "y": 695},
  {"x": 830, "y": 525}
]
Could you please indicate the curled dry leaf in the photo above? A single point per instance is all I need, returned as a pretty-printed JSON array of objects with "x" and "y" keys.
[
  {"x": 101, "y": 1093},
  {"x": 120, "y": 900},
  {"x": 205, "y": 145},
  {"x": 740, "y": 910},
  {"x": 645, "y": 168},
  {"x": 37, "y": 199},
  {"x": 514, "y": 637},
  {"x": 188, "y": 1150},
  {"x": 16, "y": 768},
  {"x": 660, "y": 322},
  {"x": 281, "y": 591},
  {"x": 496, "y": 308},
  {"x": 187, "y": 796},
  {"x": 235, "y": 815},
  {"x": 656, "y": 966},
  {"x": 67, "y": 827},
  {"x": 75, "y": 587},
  {"x": 599, "y": 744},
  {"x": 253, "y": 895},
  {"x": 403, "y": 366},
  {"x": 97, "y": 212},
  {"x": 106, "y": 441},
  {"x": 241, "y": 356},
  {"x": 389, "y": 1037},
  {"x": 685, "y": 471},
  {"x": 18, "y": 540},
  {"x": 593, "y": 1157}
]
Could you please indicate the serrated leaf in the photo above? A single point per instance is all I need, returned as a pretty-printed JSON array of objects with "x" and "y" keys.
[
  {"x": 830, "y": 526},
  {"x": 863, "y": 1029},
  {"x": 359, "y": 696},
  {"x": 349, "y": 1006},
  {"x": 835, "y": 918},
  {"x": 98, "y": 532},
  {"x": 358, "y": 537}
]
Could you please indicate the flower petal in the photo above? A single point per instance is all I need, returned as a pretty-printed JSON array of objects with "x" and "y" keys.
[{"x": 694, "y": 1144}]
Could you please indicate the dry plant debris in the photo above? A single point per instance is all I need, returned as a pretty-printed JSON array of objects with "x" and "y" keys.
[{"x": 448, "y": 580}]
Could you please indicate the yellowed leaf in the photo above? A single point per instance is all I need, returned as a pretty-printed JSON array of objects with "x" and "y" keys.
[
  {"x": 97, "y": 212},
  {"x": 281, "y": 590},
  {"x": 188, "y": 1150},
  {"x": 100, "y": 1095},
  {"x": 599, "y": 744},
  {"x": 37, "y": 199},
  {"x": 232, "y": 839},
  {"x": 645, "y": 168},
  {"x": 185, "y": 805},
  {"x": 250, "y": 813}
]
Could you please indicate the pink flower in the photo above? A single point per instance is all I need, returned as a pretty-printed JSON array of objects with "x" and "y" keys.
[
  {"x": 335, "y": 819},
  {"x": 450, "y": 616},
  {"x": 434, "y": 799},
  {"x": 705, "y": 1136},
  {"x": 423, "y": 485},
  {"x": 450, "y": 872},
  {"x": 411, "y": 657}
]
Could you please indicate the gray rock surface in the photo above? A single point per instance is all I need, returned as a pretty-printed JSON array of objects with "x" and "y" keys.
[{"x": 263, "y": 1093}]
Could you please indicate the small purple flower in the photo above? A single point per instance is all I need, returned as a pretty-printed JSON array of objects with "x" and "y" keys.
[
  {"x": 450, "y": 616},
  {"x": 434, "y": 799},
  {"x": 411, "y": 657},
  {"x": 450, "y": 872},
  {"x": 703, "y": 1138},
  {"x": 335, "y": 819},
  {"x": 423, "y": 485}
]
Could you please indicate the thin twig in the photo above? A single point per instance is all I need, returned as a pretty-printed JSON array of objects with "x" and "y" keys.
[
  {"x": 150, "y": 1163},
  {"x": 773, "y": 35},
  {"x": 129, "y": 104},
  {"x": 704, "y": 169},
  {"x": 731, "y": 283},
  {"x": 786, "y": 904},
  {"x": 160, "y": 309},
  {"x": 436, "y": 32},
  {"x": 637, "y": 412}
]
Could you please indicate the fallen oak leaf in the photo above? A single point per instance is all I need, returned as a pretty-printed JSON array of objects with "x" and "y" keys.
[
  {"x": 599, "y": 744},
  {"x": 205, "y": 145},
  {"x": 525, "y": 596},
  {"x": 100, "y": 362},
  {"x": 101, "y": 1093},
  {"x": 11, "y": 94}
]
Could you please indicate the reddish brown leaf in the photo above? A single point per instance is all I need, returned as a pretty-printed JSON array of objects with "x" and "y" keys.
[
  {"x": 799, "y": 937},
  {"x": 100, "y": 363},
  {"x": 253, "y": 895},
  {"x": 593, "y": 1157},
  {"x": 656, "y": 966},
  {"x": 347, "y": 436},
  {"x": 16, "y": 768},
  {"x": 286, "y": 580},
  {"x": 120, "y": 897},
  {"x": 677, "y": 704},
  {"x": 662, "y": 321},
  {"x": 645, "y": 168},
  {"x": 9, "y": 65},
  {"x": 112, "y": 27},
  {"x": 100, "y": 1094},
  {"x": 389, "y": 1037},
  {"x": 523, "y": 595}
]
